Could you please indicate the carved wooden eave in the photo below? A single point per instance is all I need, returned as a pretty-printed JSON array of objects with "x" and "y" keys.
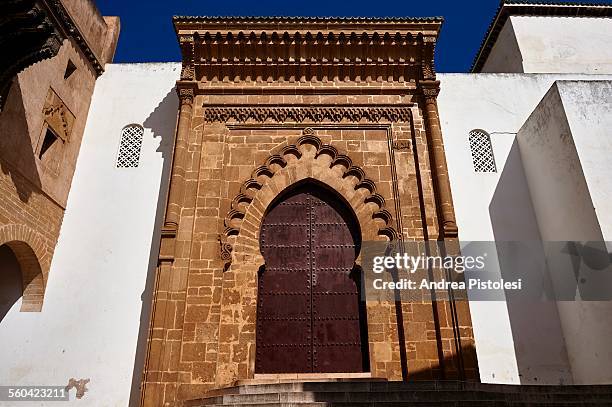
[
  {"x": 34, "y": 30},
  {"x": 286, "y": 50}
]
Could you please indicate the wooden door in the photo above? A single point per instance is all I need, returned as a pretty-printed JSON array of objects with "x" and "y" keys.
[{"x": 308, "y": 313}]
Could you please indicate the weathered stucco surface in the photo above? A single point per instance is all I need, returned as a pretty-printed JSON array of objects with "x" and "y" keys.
[
  {"x": 563, "y": 145},
  {"x": 90, "y": 327},
  {"x": 498, "y": 206},
  {"x": 552, "y": 44}
]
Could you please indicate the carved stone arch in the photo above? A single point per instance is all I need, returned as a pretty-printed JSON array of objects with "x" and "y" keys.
[
  {"x": 34, "y": 261},
  {"x": 308, "y": 158}
]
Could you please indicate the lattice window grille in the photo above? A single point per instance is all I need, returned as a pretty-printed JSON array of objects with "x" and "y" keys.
[
  {"x": 482, "y": 151},
  {"x": 130, "y": 146}
]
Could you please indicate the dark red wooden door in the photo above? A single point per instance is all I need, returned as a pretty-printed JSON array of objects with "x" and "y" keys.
[{"x": 308, "y": 314}]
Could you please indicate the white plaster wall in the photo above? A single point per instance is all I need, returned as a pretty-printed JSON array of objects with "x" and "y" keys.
[
  {"x": 90, "y": 323},
  {"x": 497, "y": 206},
  {"x": 588, "y": 108},
  {"x": 555, "y": 176},
  {"x": 565, "y": 146},
  {"x": 505, "y": 56},
  {"x": 564, "y": 44}
]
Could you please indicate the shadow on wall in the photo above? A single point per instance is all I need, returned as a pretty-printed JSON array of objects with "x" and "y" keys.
[
  {"x": 18, "y": 157},
  {"x": 536, "y": 329},
  {"x": 10, "y": 280},
  {"x": 162, "y": 123},
  {"x": 448, "y": 367}
]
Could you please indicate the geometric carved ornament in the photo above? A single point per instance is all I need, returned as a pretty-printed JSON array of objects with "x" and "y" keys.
[{"x": 317, "y": 114}]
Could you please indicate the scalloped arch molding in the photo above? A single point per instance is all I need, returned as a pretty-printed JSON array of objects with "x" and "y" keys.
[{"x": 308, "y": 158}]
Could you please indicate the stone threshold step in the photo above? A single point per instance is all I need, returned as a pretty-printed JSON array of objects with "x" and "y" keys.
[
  {"x": 410, "y": 404},
  {"x": 301, "y": 378},
  {"x": 358, "y": 397},
  {"x": 422, "y": 404},
  {"x": 398, "y": 404},
  {"x": 442, "y": 396},
  {"x": 324, "y": 388},
  {"x": 529, "y": 388},
  {"x": 312, "y": 376},
  {"x": 369, "y": 385}
]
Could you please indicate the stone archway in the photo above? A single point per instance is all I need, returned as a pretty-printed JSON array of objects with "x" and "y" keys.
[
  {"x": 11, "y": 282},
  {"x": 33, "y": 260},
  {"x": 309, "y": 160}
]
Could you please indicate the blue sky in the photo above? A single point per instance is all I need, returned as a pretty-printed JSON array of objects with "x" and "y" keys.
[{"x": 147, "y": 34}]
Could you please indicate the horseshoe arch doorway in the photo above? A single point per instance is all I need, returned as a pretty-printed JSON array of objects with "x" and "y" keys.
[{"x": 309, "y": 315}]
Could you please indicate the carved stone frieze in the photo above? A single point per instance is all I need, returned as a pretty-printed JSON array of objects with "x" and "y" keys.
[
  {"x": 225, "y": 248},
  {"x": 300, "y": 114},
  {"x": 185, "y": 39},
  {"x": 430, "y": 92},
  {"x": 58, "y": 116},
  {"x": 401, "y": 145},
  {"x": 186, "y": 95}
]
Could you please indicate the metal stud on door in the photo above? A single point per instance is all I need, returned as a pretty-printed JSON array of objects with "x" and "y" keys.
[
  {"x": 308, "y": 304},
  {"x": 284, "y": 308}
]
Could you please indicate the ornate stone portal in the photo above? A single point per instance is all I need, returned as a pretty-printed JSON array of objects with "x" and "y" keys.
[{"x": 268, "y": 104}]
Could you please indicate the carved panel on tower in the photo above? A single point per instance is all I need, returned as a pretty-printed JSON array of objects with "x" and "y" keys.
[{"x": 58, "y": 116}]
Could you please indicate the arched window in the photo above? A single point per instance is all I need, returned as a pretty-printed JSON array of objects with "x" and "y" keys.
[
  {"x": 482, "y": 151},
  {"x": 130, "y": 146}
]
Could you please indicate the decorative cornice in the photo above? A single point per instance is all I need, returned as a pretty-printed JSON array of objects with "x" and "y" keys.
[
  {"x": 291, "y": 22},
  {"x": 428, "y": 70},
  {"x": 312, "y": 114},
  {"x": 306, "y": 19},
  {"x": 307, "y": 50},
  {"x": 526, "y": 8},
  {"x": 347, "y": 89}
]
